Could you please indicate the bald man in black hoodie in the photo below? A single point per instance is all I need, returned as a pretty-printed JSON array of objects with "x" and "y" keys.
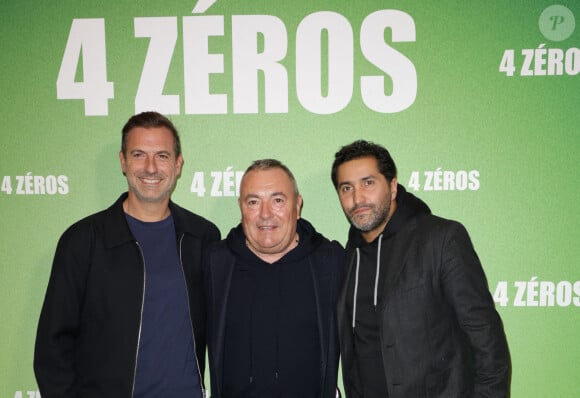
[
  {"x": 271, "y": 289},
  {"x": 416, "y": 318}
]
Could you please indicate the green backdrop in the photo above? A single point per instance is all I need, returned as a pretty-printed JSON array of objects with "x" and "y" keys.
[{"x": 478, "y": 103}]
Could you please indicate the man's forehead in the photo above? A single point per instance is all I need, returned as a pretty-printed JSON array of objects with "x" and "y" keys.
[
  {"x": 269, "y": 182},
  {"x": 357, "y": 174}
]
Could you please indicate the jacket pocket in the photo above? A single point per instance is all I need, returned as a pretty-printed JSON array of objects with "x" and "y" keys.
[{"x": 437, "y": 384}]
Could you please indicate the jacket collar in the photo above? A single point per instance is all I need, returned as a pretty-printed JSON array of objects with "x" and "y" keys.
[{"x": 117, "y": 232}]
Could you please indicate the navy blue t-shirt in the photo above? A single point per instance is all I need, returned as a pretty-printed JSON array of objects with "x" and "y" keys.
[{"x": 166, "y": 362}]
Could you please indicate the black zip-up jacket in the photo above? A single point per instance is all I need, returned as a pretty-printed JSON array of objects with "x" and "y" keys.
[{"x": 88, "y": 332}]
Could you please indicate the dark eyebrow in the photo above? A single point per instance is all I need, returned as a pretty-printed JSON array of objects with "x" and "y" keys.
[
  {"x": 251, "y": 196},
  {"x": 138, "y": 150},
  {"x": 371, "y": 177}
]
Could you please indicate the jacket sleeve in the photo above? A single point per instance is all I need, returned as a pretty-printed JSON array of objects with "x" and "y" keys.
[
  {"x": 218, "y": 270},
  {"x": 334, "y": 264},
  {"x": 208, "y": 292},
  {"x": 58, "y": 326},
  {"x": 465, "y": 287}
]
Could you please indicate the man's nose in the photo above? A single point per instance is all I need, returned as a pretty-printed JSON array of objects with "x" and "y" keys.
[
  {"x": 151, "y": 164},
  {"x": 357, "y": 196},
  {"x": 265, "y": 211}
]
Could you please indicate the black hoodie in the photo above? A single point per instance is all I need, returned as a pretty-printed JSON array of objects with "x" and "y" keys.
[{"x": 274, "y": 323}]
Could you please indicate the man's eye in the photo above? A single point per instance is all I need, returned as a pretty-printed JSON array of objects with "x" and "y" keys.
[
  {"x": 346, "y": 188},
  {"x": 369, "y": 182}
]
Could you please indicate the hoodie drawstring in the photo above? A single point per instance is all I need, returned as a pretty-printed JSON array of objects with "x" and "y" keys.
[
  {"x": 355, "y": 289},
  {"x": 378, "y": 269},
  {"x": 375, "y": 293}
]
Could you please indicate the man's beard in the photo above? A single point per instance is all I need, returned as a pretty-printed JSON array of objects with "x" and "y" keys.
[{"x": 379, "y": 213}]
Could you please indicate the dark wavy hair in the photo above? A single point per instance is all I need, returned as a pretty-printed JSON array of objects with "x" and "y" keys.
[
  {"x": 361, "y": 149},
  {"x": 148, "y": 120}
]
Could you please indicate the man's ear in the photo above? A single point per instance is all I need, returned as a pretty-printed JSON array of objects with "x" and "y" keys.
[
  {"x": 122, "y": 161},
  {"x": 179, "y": 164},
  {"x": 299, "y": 203},
  {"x": 393, "y": 187}
]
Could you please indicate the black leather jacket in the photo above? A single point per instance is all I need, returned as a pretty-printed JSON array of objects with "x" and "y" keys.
[{"x": 88, "y": 332}]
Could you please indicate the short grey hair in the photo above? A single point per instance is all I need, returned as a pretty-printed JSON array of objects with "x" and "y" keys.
[{"x": 268, "y": 164}]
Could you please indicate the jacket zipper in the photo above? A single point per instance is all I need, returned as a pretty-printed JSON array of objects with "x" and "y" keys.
[
  {"x": 140, "y": 317},
  {"x": 203, "y": 392}
]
